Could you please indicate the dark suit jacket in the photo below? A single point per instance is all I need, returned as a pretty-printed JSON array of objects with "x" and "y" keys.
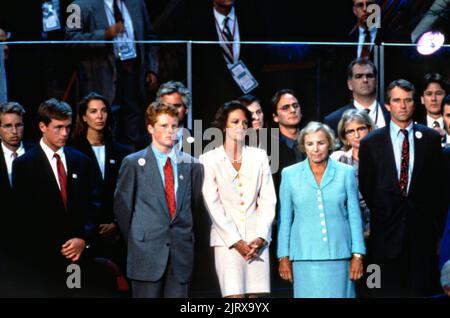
[
  {"x": 97, "y": 71},
  {"x": 211, "y": 78},
  {"x": 409, "y": 225},
  {"x": 333, "y": 119},
  {"x": 44, "y": 222},
  {"x": 114, "y": 154},
  {"x": 142, "y": 213}
]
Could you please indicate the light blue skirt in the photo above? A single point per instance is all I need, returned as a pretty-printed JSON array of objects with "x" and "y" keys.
[{"x": 323, "y": 279}]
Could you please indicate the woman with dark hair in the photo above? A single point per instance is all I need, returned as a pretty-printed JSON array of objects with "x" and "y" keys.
[
  {"x": 239, "y": 194},
  {"x": 92, "y": 136}
]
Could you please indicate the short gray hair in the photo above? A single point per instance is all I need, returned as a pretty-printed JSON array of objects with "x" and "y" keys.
[
  {"x": 313, "y": 127},
  {"x": 174, "y": 87},
  {"x": 351, "y": 115}
]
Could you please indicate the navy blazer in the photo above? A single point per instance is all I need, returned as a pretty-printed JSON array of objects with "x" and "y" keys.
[
  {"x": 332, "y": 120},
  {"x": 319, "y": 222}
]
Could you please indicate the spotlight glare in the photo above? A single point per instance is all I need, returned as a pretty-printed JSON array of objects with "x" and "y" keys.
[{"x": 430, "y": 42}]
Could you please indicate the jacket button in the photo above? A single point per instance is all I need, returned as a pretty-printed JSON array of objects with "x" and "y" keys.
[{"x": 167, "y": 244}]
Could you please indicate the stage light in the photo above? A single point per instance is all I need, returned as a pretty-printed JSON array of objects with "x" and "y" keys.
[{"x": 430, "y": 42}]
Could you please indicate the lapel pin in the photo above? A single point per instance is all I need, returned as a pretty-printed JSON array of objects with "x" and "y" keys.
[
  {"x": 112, "y": 161},
  {"x": 74, "y": 176},
  {"x": 418, "y": 135},
  {"x": 141, "y": 162},
  {"x": 181, "y": 177},
  {"x": 190, "y": 139}
]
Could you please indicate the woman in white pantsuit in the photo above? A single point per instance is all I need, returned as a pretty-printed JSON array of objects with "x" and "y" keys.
[{"x": 240, "y": 197}]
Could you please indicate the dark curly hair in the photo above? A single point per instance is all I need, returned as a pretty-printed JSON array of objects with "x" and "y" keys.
[{"x": 222, "y": 113}]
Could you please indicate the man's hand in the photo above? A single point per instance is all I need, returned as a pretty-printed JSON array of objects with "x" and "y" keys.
[
  {"x": 73, "y": 248},
  {"x": 108, "y": 229},
  {"x": 113, "y": 30}
]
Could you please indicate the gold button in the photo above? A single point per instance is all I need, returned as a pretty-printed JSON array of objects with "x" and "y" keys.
[
  {"x": 237, "y": 177},
  {"x": 242, "y": 203},
  {"x": 242, "y": 212},
  {"x": 241, "y": 194},
  {"x": 240, "y": 184}
]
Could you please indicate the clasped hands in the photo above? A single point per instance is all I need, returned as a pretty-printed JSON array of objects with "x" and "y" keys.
[{"x": 250, "y": 250}]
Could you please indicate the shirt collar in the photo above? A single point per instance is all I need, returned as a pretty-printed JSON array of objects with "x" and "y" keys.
[
  {"x": 372, "y": 107},
  {"x": 109, "y": 3},
  {"x": 396, "y": 129},
  {"x": 49, "y": 153},
  {"x": 220, "y": 17},
  {"x": 372, "y": 30},
  {"x": 431, "y": 120},
  {"x": 288, "y": 141},
  {"x": 8, "y": 151},
  {"x": 162, "y": 157}
]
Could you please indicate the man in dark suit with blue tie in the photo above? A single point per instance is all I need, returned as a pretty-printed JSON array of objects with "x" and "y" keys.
[
  {"x": 399, "y": 177},
  {"x": 152, "y": 205},
  {"x": 54, "y": 188}
]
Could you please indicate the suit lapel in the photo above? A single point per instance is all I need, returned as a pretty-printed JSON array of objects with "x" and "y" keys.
[
  {"x": 153, "y": 177},
  {"x": 328, "y": 175},
  {"x": 4, "y": 180},
  {"x": 183, "y": 182},
  {"x": 390, "y": 158},
  {"x": 307, "y": 172},
  {"x": 72, "y": 176},
  {"x": 419, "y": 152},
  {"x": 100, "y": 13},
  {"x": 49, "y": 177}
]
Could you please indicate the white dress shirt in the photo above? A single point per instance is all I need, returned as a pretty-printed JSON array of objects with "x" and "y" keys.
[
  {"x": 376, "y": 113},
  {"x": 100, "y": 152},
  {"x": 9, "y": 158},
  {"x": 49, "y": 153},
  {"x": 431, "y": 120},
  {"x": 234, "y": 27}
]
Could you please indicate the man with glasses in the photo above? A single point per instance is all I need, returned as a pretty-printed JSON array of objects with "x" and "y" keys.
[
  {"x": 11, "y": 134},
  {"x": 362, "y": 82}
]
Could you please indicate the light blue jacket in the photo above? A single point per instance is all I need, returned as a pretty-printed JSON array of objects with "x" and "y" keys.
[{"x": 319, "y": 223}]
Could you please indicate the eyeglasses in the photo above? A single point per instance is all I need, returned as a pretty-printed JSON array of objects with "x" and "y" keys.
[
  {"x": 286, "y": 107},
  {"x": 352, "y": 132},
  {"x": 10, "y": 127},
  {"x": 360, "y": 5}
]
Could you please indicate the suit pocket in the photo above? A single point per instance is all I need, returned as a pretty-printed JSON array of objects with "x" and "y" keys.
[{"x": 138, "y": 236}]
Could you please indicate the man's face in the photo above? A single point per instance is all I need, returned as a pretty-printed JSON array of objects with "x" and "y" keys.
[
  {"x": 3, "y": 38},
  {"x": 363, "y": 82},
  {"x": 360, "y": 10},
  {"x": 57, "y": 132},
  {"x": 401, "y": 106},
  {"x": 176, "y": 100},
  {"x": 164, "y": 132},
  {"x": 11, "y": 130},
  {"x": 446, "y": 117},
  {"x": 432, "y": 98},
  {"x": 223, "y": 3},
  {"x": 288, "y": 111}
]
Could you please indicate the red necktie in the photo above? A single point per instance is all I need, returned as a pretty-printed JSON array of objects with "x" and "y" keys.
[
  {"x": 404, "y": 165},
  {"x": 169, "y": 188},
  {"x": 62, "y": 177},
  {"x": 366, "y": 47}
]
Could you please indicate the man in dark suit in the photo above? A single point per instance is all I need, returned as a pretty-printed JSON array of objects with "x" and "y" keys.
[
  {"x": 11, "y": 134},
  {"x": 152, "y": 205},
  {"x": 362, "y": 82},
  {"x": 284, "y": 151},
  {"x": 54, "y": 190},
  {"x": 122, "y": 72},
  {"x": 213, "y": 83},
  {"x": 399, "y": 171}
]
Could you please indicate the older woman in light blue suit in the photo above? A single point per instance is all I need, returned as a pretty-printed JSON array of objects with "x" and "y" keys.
[{"x": 320, "y": 238}]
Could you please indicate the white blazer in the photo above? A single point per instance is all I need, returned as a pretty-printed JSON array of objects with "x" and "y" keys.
[{"x": 241, "y": 203}]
